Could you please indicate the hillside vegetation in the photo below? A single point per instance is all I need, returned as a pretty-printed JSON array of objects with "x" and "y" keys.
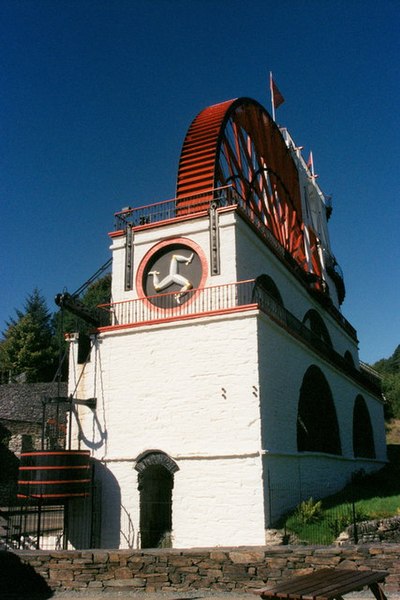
[{"x": 389, "y": 370}]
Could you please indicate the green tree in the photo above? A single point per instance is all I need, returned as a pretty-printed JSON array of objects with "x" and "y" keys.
[
  {"x": 389, "y": 365},
  {"x": 389, "y": 369},
  {"x": 28, "y": 350},
  {"x": 391, "y": 391},
  {"x": 98, "y": 292}
]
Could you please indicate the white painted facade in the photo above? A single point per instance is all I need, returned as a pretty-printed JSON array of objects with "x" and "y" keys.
[
  {"x": 217, "y": 393},
  {"x": 228, "y": 383}
]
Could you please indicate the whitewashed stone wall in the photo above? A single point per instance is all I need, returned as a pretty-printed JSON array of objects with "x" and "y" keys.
[
  {"x": 243, "y": 256},
  {"x": 288, "y": 475},
  {"x": 187, "y": 390},
  {"x": 219, "y": 395},
  {"x": 194, "y": 229},
  {"x": 252, "y": 262}
]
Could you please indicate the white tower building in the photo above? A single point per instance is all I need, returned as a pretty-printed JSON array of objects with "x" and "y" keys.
[{"x": 227, "y": 380}]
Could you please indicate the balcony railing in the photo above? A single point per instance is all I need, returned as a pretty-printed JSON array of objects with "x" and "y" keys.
[
  {"x": 238, "y": 296},
  {"x": 219, "y": 197},
  {"x": 170, "y": 209},
  {"x": 175, "y": 305}
]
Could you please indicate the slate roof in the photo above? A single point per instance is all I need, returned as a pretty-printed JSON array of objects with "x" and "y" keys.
[{"x": 23, "y": 401}]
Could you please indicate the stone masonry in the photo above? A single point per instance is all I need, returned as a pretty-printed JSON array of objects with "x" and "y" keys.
[{"x": 219, "y": 569}]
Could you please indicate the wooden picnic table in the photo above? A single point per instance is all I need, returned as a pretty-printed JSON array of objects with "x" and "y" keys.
[{"x": 326, "y": 584}]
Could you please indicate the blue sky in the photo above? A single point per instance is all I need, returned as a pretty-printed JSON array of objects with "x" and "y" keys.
[{"x": 96, "y": 98}]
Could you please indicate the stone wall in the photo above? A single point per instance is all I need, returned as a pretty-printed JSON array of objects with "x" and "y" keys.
[
  {"x": 218, "y": 569},
  {"x": 370, "y": 532}
]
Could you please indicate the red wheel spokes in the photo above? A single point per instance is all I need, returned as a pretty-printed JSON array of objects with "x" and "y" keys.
[{"x": 237, "y": 143}]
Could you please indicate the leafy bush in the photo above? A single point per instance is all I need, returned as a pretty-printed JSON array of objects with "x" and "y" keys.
[
  {"x": 308, "y": 511},
  {"x": 339, "y": 524}
]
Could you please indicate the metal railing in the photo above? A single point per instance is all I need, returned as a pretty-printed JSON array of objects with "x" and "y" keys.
[
  {"x": 175, "y": 305},
  {"x": 219, "y": 198},
  {"x": 230, "y": 297},
  {"x": 370, "y": 373},
  {"x": 34, "y": 524},
  {"x": 296, "y": 327},
  {"x": 170, "y": 209}
]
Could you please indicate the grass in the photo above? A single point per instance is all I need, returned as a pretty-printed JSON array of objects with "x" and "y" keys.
[{"x": 374, "y": 496}]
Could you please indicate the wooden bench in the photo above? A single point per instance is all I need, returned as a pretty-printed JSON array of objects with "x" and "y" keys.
[{"x": 326, "y": 584}]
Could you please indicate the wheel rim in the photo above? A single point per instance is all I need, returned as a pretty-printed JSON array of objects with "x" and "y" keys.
[{"x": 236, "y": 143}]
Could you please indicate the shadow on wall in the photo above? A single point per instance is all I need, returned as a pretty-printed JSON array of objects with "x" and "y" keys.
[
  {"x": 110, "y": 517},
  {"x": 95, "y": 521},
  {"x": 101, "y": 435},
  {"x": 19, "y": 581}
]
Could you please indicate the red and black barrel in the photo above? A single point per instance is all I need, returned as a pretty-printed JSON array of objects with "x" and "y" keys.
[{"x": 54, "y": 474}]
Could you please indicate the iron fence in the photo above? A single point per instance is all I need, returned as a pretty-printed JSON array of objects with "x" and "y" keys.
[
  {"x": 32, "y": 527},
  {"x": 317, "y": 518},
  {"x": 32, "y": 524}
]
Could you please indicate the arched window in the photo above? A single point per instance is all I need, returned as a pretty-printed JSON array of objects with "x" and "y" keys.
[
  {"x": 156, "y": 481},
  {"x": 349, "y": 358},
  {"x": 363, "y": 438},
  {"x": 265, "y": 284},
  {"x": 314, "y": 321},
  {"x": 317, "y": 425}
]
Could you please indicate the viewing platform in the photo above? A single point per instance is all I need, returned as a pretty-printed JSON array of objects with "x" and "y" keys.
[
  {"x": 228, "y": 198},
  {"x": 224, "y": 299}
]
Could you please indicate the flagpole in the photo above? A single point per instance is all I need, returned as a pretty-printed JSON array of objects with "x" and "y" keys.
[
  {"x": 310, "y": 165},
  {"x": 271, "y": 87}
]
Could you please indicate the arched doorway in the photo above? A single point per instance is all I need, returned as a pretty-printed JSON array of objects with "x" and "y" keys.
[{"x": 156, "y": 481}]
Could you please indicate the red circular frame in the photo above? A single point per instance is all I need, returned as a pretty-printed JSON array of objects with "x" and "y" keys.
[{"x": 184, "y": 241}]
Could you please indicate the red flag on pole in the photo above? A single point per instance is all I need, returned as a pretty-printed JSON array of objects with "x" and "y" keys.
[{"x": 276, "y": 97}]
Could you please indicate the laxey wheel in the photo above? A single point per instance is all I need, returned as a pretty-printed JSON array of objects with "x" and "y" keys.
[{"x": 236, "y": 143}]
